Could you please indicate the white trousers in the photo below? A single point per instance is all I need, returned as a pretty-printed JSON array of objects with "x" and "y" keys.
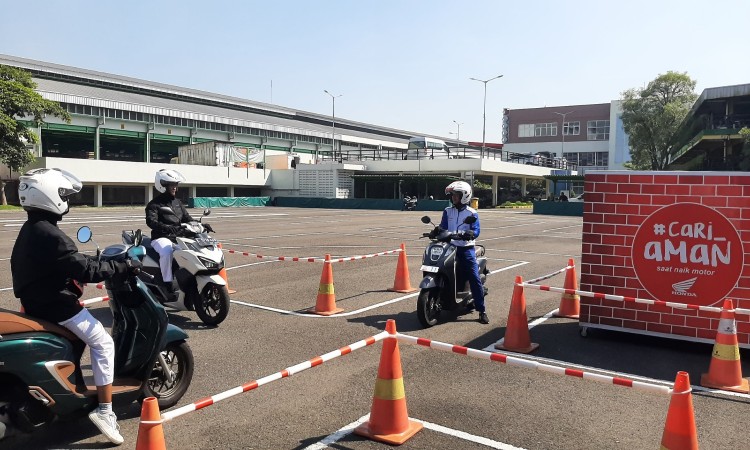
[
  {"x": 101, "y": 345},
  {"x": 164, "y": 247}
]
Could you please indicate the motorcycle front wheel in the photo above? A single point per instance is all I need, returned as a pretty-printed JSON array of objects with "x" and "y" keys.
[
  {"x": 428, "y": 307},
  {"x": 179, "y": 359},
  {"x": 212, "y": 306}
]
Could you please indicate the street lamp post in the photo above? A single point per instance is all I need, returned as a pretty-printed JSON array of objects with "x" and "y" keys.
[
  {"x": 333, "y": 121},
  {"x": 458, "y": 131},
  {"x": 562, "y": 131},
  {"x": 484, "y": 111}
]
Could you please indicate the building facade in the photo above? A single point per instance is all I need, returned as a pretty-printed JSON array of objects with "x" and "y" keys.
[
  {"x": 590, "y": 136},
  {"x": 123, "y": 130}
]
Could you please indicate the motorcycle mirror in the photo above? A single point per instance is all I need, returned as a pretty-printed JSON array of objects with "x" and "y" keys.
[
  {"x": 138, "y": 237},
  {"x": 426, "y": 219},
  {"x": 84, "y": 234},
  {"x": 206, "y": 212},
  {"x": 470, "y": 219}
]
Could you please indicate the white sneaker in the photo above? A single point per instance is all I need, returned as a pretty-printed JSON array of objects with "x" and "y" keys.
[{"x": 107, "y": 424}]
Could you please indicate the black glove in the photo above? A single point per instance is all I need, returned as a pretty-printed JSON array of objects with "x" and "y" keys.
[
  {"x": 134, "y": 266},
  {"x": 434, "y": 232},
  {"x": 208, "y": 228},
  {"x": 467, "y": 235}
]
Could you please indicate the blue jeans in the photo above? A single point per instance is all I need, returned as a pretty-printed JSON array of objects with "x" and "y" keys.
[{"x": 466, "y": 258}]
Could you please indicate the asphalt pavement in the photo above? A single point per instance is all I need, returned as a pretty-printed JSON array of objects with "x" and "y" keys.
[{"x": 464, "y": 403}]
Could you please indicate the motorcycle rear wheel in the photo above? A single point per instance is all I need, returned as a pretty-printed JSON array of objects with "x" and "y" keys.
[
  {"x": 179, "y": 357},
  {"x": 212, "y": 306},
  {"x": 428, "y": 307}
]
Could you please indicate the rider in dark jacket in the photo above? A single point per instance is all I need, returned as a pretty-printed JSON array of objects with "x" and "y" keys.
[
  {"x": 47, "y": 269},
  {"x": 166, "y": 215}
]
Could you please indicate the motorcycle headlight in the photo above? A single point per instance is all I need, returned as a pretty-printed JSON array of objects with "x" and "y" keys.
[
  {"x": 435, "y": 253},
  {"x": 209, "y": 263}
]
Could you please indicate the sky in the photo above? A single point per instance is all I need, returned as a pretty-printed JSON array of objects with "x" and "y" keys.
[{"x": 404, "y": 64}]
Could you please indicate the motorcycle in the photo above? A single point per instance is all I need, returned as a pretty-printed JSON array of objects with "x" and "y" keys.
[
  {"x": 40, "y": 368},
  {"x": 410, "y": 203},
  {"x": 196, "y": 263},
  {"x": 441, "y": 289}
]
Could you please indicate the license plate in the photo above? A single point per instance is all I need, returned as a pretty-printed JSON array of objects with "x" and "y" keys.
[{"x": 432, "y": 269}]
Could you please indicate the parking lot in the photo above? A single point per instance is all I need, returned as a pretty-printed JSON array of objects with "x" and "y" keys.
[{"x": 465, "y": 403}]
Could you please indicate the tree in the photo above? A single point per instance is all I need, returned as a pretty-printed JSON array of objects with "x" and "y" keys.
[
  {"x": 19, "y": 101},
  {"x": 651, "y": 117}
]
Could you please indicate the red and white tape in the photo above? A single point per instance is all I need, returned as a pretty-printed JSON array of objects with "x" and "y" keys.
[
  {"x": 289, "y": 371},
  {"x": 311, "y": 259},
  {"x": 621, "y": 298},
  {"x": 93, "y": 300},
  {"x": 550, "y": 275},
  {"x": 512, "y": 361}
]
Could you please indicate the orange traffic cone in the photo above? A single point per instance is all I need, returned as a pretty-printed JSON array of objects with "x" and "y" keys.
[
  {"x": 389, "y": 421},
  {"x": 679, "y": 429},
  {"x": 725, "y": 371},
  {"x": 517, "y": 337},
  {"x": 570, "y": 304},
  {"x": 401, "y": 283},
  {"x": 326, "y": 302},
  {"x": 223, "y": 274},
  {"x": 150, "y": 431}
]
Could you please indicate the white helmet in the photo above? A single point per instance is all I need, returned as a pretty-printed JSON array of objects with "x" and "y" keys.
[
  {"x": 47, "y": 190},
  {"x": 462, "y": 187},
  {"x": 167, "y": 176}
]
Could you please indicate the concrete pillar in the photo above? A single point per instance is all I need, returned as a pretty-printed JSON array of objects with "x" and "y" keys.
[
  {"x": 494, "y": 189},
  {"x": 97, "y": 140},
  {"x": 230, "y": 191},
  {"x": 193, "y": 191},
  {"x": 149, "y": 129},
  {"x": 98, "y": 195},
  {"x": 523, "y": 187},
  {"x": 149, "y": 193}
]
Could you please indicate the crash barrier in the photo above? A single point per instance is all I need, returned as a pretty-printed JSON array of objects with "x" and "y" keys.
[
  {"x": 325, "y": 303},
  {"x": 216, "y": 202},
  {"x": 389, "y": 421},
  {"x": 725, "y": 370}
]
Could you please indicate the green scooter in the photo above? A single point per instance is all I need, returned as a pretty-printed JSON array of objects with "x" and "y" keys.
[{"x": 40, "y": 372}]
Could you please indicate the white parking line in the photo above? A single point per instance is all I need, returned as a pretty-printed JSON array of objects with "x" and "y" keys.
[{"x": 348, "y": 429}]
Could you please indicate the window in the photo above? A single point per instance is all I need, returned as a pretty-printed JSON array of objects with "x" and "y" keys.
[
  {"x": 598, "y": 130},
  {"x": 588, "y": 159},
  {"x": 526, "y": 130},
  {"x": 572, "y": 128},
  {"x": 545, "y": 129}
]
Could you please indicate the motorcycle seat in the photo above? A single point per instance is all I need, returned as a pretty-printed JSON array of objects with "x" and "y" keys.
[{"x": 13, "y": 322}]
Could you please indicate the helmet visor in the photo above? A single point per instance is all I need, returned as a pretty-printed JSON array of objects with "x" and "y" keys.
[{"x": 75, "y": 185}]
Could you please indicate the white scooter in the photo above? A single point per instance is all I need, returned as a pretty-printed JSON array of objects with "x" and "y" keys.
[{"x": 196, "y": 263}]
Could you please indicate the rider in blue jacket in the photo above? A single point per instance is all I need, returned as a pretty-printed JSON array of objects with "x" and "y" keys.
[{"x": 453, "y": 220}]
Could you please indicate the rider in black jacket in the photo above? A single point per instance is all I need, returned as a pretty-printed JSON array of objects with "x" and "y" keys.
[
  {"x": 47, "y": 269},
  {"x": 165, "y": 215}
]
